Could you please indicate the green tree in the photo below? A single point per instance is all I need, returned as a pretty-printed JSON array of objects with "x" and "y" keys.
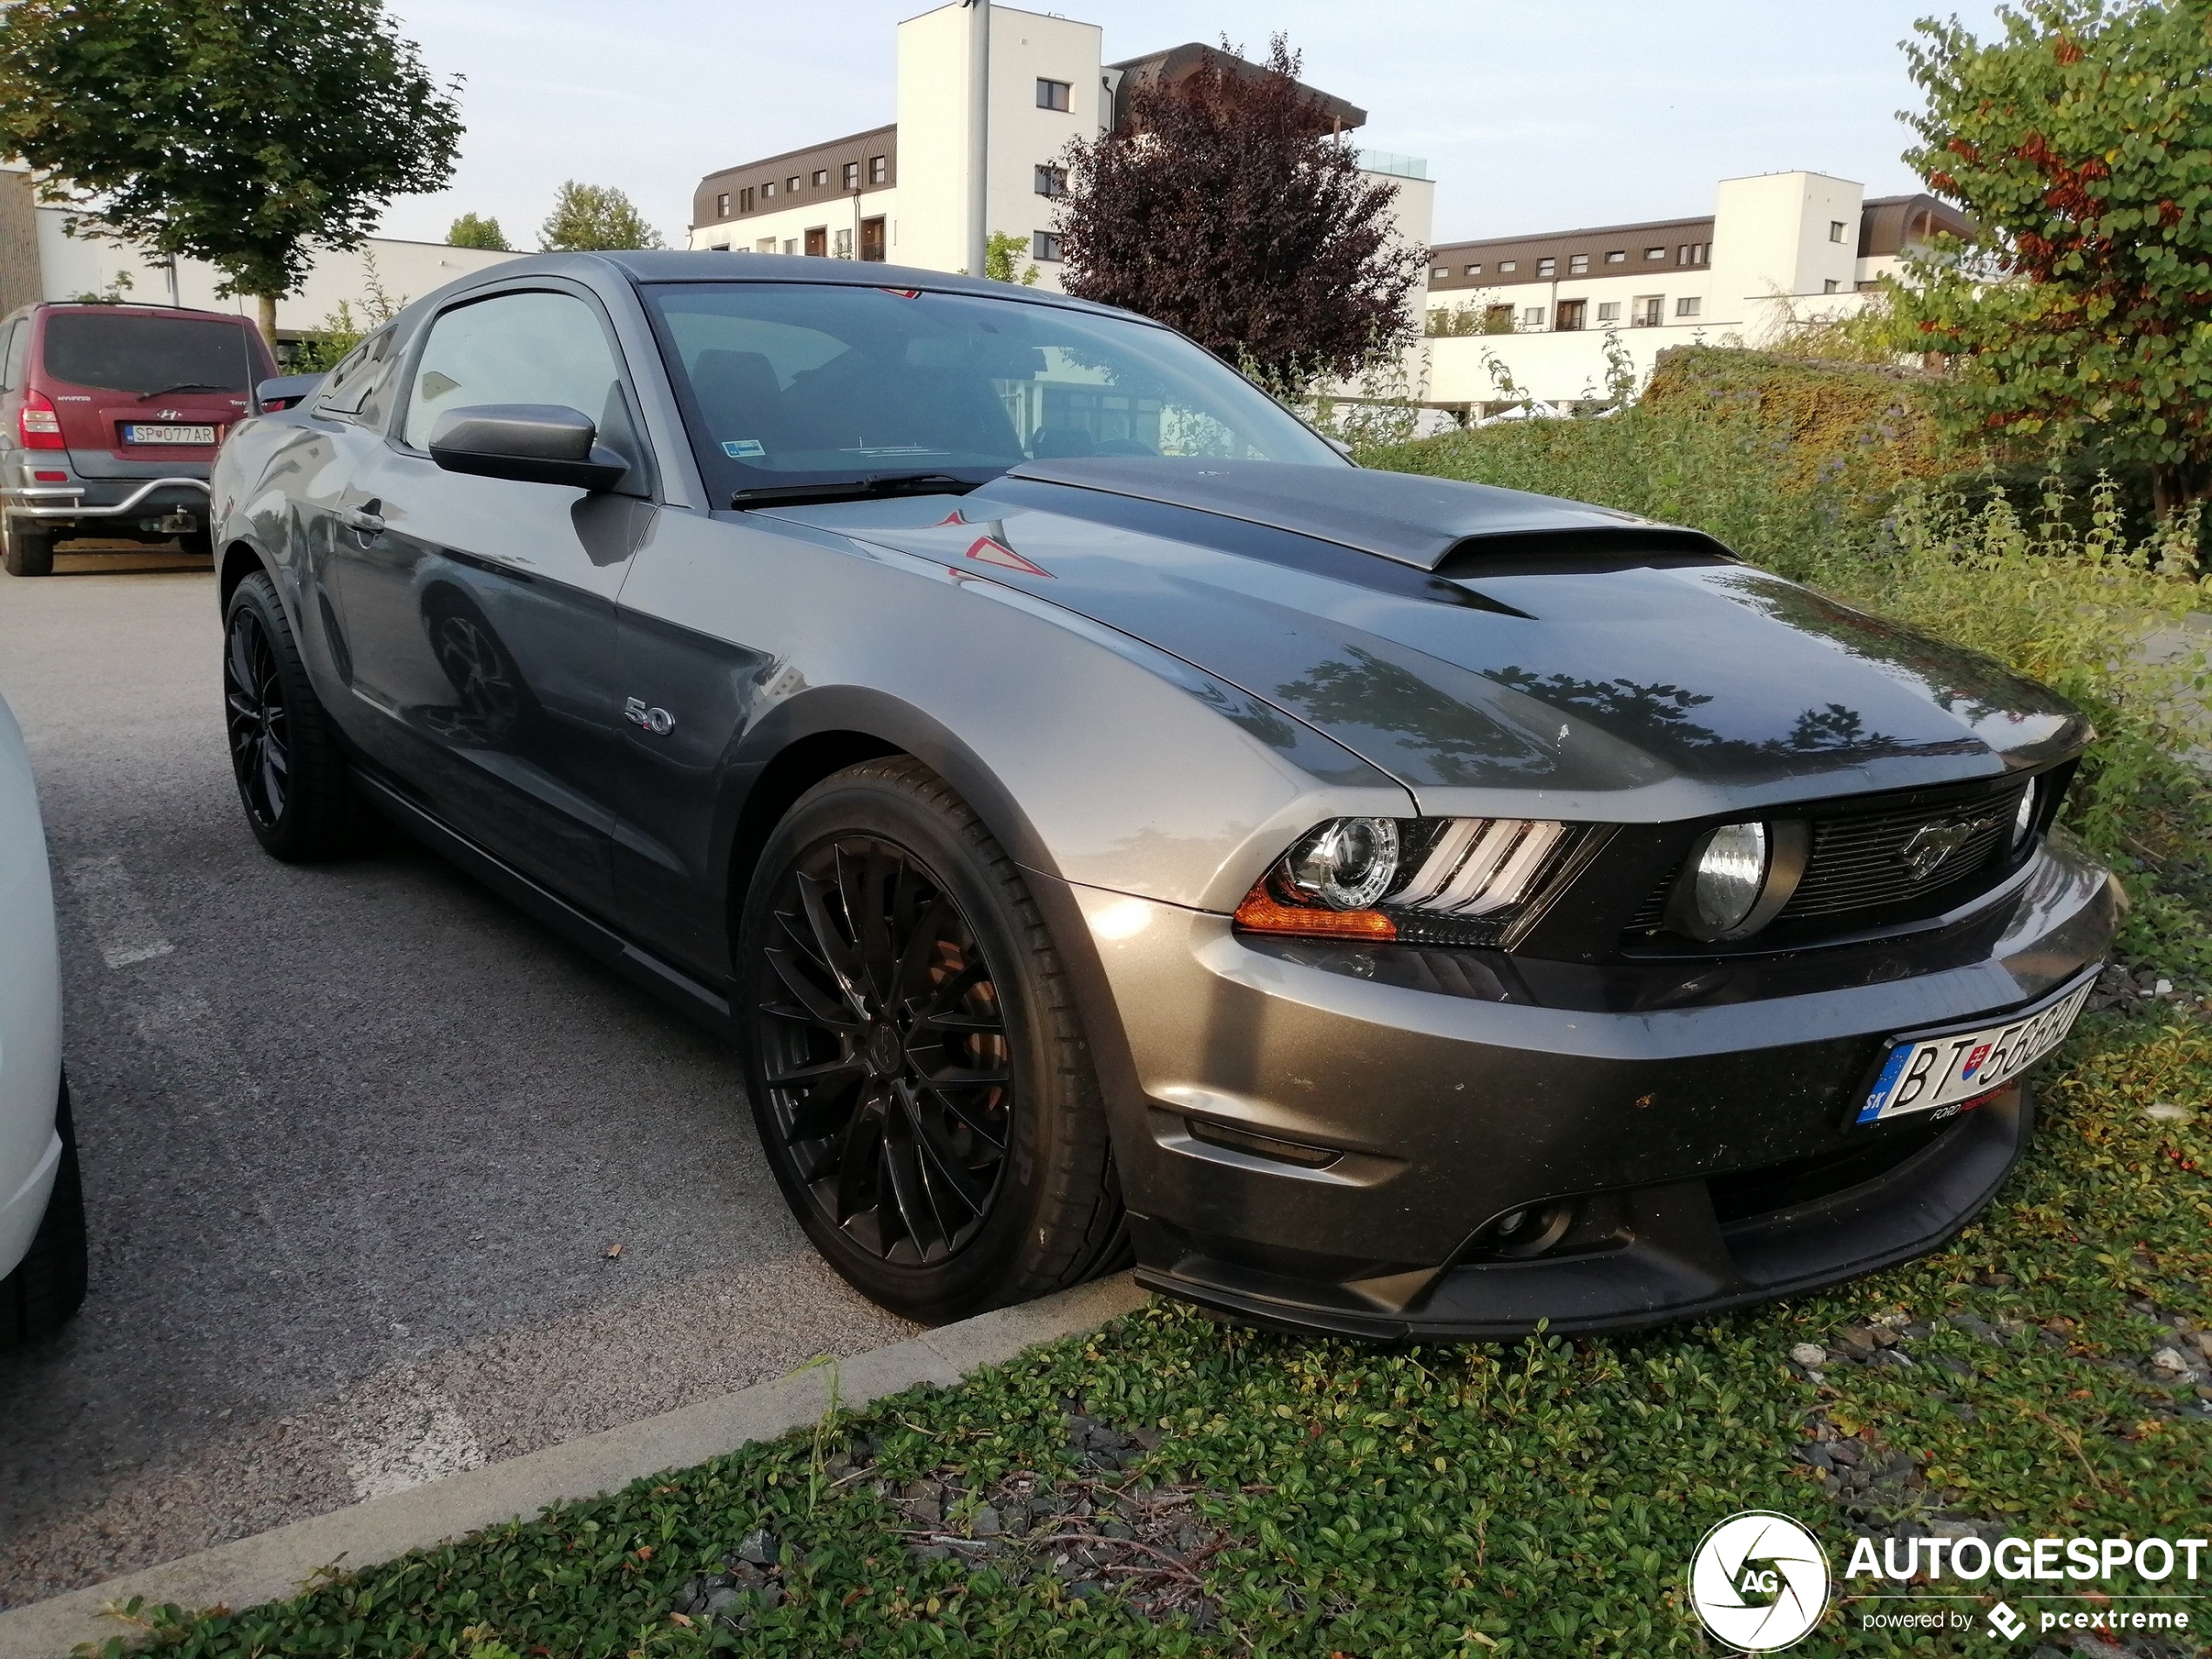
[
  {"x": 2080, "y": 140},
  {"x": 245, "y": 133},
  {"x": 1001, "y": 253},
  {"x": 469, "y": 231},
  {"x": 594, "y": 216}
]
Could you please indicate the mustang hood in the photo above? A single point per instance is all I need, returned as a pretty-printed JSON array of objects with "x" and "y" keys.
[{"x": 1463, "y": 638}]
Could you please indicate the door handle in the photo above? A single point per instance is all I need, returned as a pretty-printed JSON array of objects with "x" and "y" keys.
[{"x": 366, "y": 524}]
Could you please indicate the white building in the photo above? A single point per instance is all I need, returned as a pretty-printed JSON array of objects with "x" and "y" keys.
[
  {"x": 1777, "y": 249},
  {"x": 899, "y": 192},
  {"x": 40, "y": 261}
]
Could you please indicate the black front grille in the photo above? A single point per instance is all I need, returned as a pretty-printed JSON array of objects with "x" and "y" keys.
[
  {"x": 1862, "y": 864},
  {"x": 1867, "y": 862}
]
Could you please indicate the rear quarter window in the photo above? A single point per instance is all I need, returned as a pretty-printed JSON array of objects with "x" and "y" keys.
[{"x": 140, "y": 353}]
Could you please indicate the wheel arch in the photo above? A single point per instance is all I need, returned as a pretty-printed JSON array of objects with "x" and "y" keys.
[{"x": 238, "y": 560}]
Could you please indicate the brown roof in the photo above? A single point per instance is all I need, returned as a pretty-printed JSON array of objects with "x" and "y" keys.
[
  {"x": 1180, "y": 63},
  {"x": 1633, "y": 242},
  {"x": 1891, "y": 224},
  {"x": 802, "y": 164}
]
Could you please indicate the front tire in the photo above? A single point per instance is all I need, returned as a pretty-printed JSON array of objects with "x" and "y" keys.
[
  {"x": 917, "y": 1068},
  {"x": 26, "y": 552},
  {"x": 48, "y": 1286},
  {"x": 285, "y": 751}
]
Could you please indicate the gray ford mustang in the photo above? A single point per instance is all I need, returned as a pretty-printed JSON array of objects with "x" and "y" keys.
[{"x": 1112, "y": 825}]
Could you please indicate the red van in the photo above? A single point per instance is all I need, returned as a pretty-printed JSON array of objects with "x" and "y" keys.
[{"x": 109, "y": 418}]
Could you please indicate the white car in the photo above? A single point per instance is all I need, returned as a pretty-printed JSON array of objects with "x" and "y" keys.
[{"x": 42, "y": 1207}]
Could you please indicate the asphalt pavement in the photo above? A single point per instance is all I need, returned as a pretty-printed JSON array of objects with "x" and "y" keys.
[{"x": 358, "y": 1141}]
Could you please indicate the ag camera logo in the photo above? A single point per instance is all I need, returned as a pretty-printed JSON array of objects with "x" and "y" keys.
[{"x": 1759, "y": 1581}]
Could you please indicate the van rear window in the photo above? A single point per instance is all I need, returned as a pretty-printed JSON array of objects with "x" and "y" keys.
[{"x": 124, "y": 351}]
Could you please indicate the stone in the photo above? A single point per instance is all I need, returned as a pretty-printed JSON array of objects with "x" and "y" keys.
[
  {"x": 984, "y": 1523},
  {"x": 934, "y": 1553},
  {"x": 757, "y": 1546},
  {"x": 722, "y": 1602},
  {"x": 1845, "y": 1453},
  {"x": 1809, "y": 1354},
  {"x": 2169, "y": 1363}
]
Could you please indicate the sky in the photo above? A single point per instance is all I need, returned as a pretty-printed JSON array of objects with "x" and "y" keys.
[{"x": 1531, "y": 116}]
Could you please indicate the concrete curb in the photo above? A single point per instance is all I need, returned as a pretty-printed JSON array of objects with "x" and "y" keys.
[{"x": 274, "y": 1564}]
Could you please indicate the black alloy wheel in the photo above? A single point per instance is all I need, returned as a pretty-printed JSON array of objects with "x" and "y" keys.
[
  {"x": 888, "y": 1066},
  {"x": 917, "y": 1067},
  {"x": 284, "y": 753},
  {"x": 261, "y": 730}
]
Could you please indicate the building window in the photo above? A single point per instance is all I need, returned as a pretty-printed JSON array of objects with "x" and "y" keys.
[
  {"x": 1441, "y": 273},
  {"x": 768, "y": 189},
  {"x": 1532, "y": 317},
  {"x": 821, "y": 177},
  {"x": 1647, "y": 311},
  {"x": 1505, "y": 266},
  {"x": 1578, "y": 265},
  {"x": 722, "y": 206},
  {"x": 791, "y": 244},
  {"x": 1618, "y": 256},
  {"x": 1834, "y": 230},
  {"x": 1830, "y": 286},
  {"x": 1692, "y": 253},
  {"x": 1654, "y": 254},
  {"x": 843, "y": 244},
  {"x": 1547, "y": 267},
  {"x": 1475, "y": 269},
  {"x": 1608, "y": 311},
  {"x": 1052, "y": 95},
  {"x": 791, "y": 184},
  {"x": 850, "y": 178},
  {"x": 718, "y": 247},
  {"x": 879, "y": 169},
  {"x": 1689, "y": 306},
  {"x": 744, "y": 199},
  {"x": 1051, "y": 181},
  {"x": 1044, "y": 246},
  {"x": 765, "y": 244},
  {"x": 1569, "y": 316}
]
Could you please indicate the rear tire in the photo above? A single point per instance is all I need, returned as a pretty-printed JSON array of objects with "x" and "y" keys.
[
  {"x": 285, "y": 751},
  {"x": 24, "y": 551},
  {"x": 934, "y": 1118},
  {"x": 48, "y": 1286}
]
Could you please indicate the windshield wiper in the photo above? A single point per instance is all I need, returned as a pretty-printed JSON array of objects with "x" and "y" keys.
[
  {"x": 873, "y": 484},
  {"x": 185, "y": 385}
]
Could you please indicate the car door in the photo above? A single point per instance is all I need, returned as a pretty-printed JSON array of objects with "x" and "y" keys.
[{"x": 480, "y": 612}]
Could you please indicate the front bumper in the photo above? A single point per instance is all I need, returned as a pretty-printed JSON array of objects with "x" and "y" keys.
[{"x": 1328, "y": 1136}]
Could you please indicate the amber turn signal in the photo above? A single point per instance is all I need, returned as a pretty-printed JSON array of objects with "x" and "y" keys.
[{"x": 1260, "y": 913}]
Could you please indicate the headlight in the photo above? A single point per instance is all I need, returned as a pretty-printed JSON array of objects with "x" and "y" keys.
[
  {"x": 1348, "y": 863},
  {"x": 2024, "y": 819},
  {"x": 1437, "y": 880},
  {"x": 1738, "y": 878}
]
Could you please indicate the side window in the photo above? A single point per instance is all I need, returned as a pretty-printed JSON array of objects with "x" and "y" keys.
[
  {"x": 517, "y": 348},
  {"x": 13, "y": 348},
  {"x": 350, "y": 389}
]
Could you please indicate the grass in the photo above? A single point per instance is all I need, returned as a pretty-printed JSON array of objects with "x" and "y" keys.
[{"x": 1255, "y": 1495}]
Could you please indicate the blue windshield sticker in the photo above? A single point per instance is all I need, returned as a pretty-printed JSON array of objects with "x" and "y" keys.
[{"x": 743, "y": 448}]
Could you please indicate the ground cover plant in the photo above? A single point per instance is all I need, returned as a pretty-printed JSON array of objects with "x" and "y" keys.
[{"x": 1170, "y": 1487}]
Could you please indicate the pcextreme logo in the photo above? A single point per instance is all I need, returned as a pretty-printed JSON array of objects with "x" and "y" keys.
[{"x": 1759, "y": 1581}]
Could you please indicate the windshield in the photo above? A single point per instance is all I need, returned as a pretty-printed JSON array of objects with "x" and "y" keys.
[
  {"x": 124, "y": 351},
  {"x": 797, "y": 383}
]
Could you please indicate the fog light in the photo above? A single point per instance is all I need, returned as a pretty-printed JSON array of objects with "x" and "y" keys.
[
  {"x": 1348, "y": 863},
  {"x": 1730, "y": 874}
]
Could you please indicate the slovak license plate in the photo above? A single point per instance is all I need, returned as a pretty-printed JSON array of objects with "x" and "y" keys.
[
  {"x": 1926, "y": 1074},
  {"x": 138, "y": 432}
]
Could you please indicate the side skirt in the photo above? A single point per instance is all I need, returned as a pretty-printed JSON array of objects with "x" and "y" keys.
[{"x": 589, "y": 934}]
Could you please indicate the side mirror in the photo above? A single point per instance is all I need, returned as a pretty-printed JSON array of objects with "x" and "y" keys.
[
  {"x": 283, "y": 392},
  {"x": 533, "y": 443}
]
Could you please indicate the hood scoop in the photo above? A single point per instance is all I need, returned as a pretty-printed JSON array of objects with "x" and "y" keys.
[{"x": 1437, "y": 525}]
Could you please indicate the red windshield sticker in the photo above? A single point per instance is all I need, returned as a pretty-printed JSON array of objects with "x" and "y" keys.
[
  {"x": 988, "y": 550},
  {"x": 903, "y": 294},
  {"x": 952, "y": 518}
]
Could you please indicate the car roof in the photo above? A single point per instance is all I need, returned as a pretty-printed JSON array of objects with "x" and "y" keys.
[
  {"x": 709, "y": 265},
  {"x": 134, "y": 307}
]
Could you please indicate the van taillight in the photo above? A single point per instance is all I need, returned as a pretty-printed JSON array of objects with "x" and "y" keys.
[{"x": 41, "y": 427}]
